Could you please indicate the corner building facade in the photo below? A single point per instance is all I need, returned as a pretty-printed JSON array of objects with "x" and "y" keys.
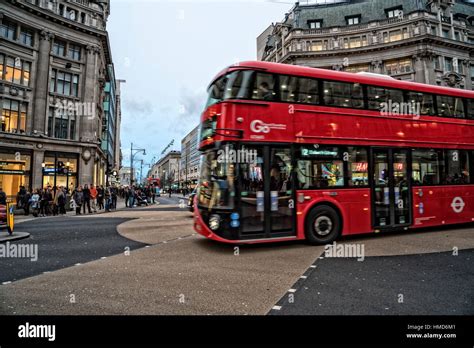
[
  {"x": 55, "y": 61},
  {"x": 426, "y": 41}
]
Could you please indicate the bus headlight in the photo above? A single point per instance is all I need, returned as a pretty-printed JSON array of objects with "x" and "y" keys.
[{"x": 214, "y": 222}]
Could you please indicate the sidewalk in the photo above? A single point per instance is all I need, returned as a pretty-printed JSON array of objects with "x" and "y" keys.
[{"x": 23, "y": 218}]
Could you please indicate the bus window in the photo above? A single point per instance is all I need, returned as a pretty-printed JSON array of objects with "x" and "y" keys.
[
  {"x": 458, "y": 167},
  {"x": 377, "y": 96},
  {"x": 358, "y": 174},
  {"x": 428, "y": 167},
  {"x": 424, "y": 100},
  {"x": 450, "y": 106},
  {"x": 288, "y": 88},
  {"x": 264, "y": 88},
  {"x": 470, "y": 108},
  {"x": 238, "y": 85},
  {"x": 308, "y": 91},
  {"x": 216, "y": 91},
  {"x": 343, "y": 94},
  {"x": 320, "y": 168}
]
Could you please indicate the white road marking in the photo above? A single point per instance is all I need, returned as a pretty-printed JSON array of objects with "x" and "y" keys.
[
  {"x": 276, "y": 308},
  {"x": 78, "y": 264},
  {"x": 6, "y": 283},
  {"x": 292, "y": 290},
  {"x": 303, "y": 277}
]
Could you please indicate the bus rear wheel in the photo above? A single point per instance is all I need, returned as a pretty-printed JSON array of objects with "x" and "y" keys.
[{"x": 323, "y": 225}]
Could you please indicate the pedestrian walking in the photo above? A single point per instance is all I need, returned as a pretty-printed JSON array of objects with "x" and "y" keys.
[
  {"x": 3, "y": 197},
  {"x": 78, "y": 199},
  {"x": 100, "y": 197},
  {"x": 93, "y": 194},
  {"x": 86, "y": 193},
  {"x": 61, "y": 201}
]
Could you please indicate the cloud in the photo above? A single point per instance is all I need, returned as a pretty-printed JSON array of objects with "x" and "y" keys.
[
  {"x": 133, "y": 106},
  {"x": 188, "y": 111}
]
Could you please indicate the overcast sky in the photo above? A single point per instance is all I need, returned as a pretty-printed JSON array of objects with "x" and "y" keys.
[{"x": 168, "y": 52}]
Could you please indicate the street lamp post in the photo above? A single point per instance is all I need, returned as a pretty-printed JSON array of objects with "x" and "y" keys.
[{"x": 132, "y": 156}]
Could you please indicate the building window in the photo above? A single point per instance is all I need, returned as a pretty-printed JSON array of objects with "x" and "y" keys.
[
  {"x": 357, "y": 68},
  {"x": 457, "y": 35},
  {"x": 13, "y": 116},
  {"x": 15, "y": 70},
  {"x": 399, "y": 66},
  {"x": 346, "y": 43},
  {"x": 317, "y": 46},
  {"x": 437, "y": 63},
  {"x": 59, "y": 48},
  {"x": 26, "y": 37},
  {"x": 61, "y": 124},
  {"x": 74, "y": 52},
  {"x": 396, "y": 35},
  {"x": 406, "y": 35},
  {"x": 353, "y": 20},
  {"x": 394, "y": 12},
  {"x": 316, "y": 24},
  {"x": 365, "y": 42},
  {"x": 448, "y": 64},
  {"x": 385, "y": 38},
  {"x": 8, "y": 30},
  {"x": 354, "y": 42},
  {"x": 64, "y": 83},
  {"x": 446, "y": 34}
]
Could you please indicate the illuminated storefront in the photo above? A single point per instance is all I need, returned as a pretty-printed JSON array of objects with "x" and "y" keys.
[
  {"x": 15, "y": 171},
  {"x": 60, "y": 169}
]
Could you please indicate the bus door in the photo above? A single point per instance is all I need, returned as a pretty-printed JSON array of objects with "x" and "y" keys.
[
  {"x": 391, "y": 193},
  {"x": 266, "y": 194}
]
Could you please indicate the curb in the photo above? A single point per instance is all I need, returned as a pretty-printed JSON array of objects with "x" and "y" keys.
[{"x": 13, "y": 237}]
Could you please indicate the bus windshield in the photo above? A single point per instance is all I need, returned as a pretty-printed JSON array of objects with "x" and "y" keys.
[
  {"x": 216, "y": 189},
  {"x": 235, "y": 85}
]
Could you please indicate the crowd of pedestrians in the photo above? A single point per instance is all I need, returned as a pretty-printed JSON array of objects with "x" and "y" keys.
[{"x": 84, "y": 199}]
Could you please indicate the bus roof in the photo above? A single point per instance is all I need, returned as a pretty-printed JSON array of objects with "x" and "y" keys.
[{"x": 325, "y": 74}]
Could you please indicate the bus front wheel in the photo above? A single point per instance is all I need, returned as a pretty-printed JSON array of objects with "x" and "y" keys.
[{"x": 323, "y": 225}]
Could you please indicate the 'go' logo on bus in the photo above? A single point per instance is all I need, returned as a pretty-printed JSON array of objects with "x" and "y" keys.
[{"x": 258, "y": 126}]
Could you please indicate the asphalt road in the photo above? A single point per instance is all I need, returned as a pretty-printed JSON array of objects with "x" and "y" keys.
[
  {"x": 64, "y": 242},
  {"x": 427, "y": 284}
]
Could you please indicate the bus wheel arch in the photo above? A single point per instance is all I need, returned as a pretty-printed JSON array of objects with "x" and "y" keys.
[{"x": 323, "y": 223}]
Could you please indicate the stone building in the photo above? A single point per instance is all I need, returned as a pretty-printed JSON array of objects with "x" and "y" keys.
[
  {"x": 190, "y": 160},
  {"x": 427, "y": 41},
  {"x": 167, "y": 170},
  {"x": 55, "y": 64}
]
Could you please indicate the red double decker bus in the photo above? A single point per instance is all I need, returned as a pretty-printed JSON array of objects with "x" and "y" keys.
[{"x": 294, "y": 153}]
